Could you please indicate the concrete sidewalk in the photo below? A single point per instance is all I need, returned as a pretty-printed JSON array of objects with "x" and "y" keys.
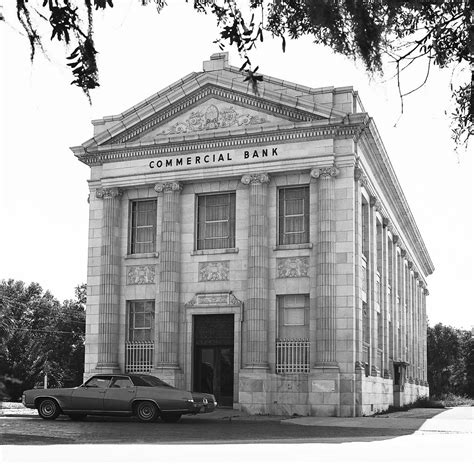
[{"x": 451, "y": 420}]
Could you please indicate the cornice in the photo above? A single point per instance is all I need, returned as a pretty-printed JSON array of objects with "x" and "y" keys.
[
  {"x": 391, "y": 189},
  {"x": 209, "y": 142}
]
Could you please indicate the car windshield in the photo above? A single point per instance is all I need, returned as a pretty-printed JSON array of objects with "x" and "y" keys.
[{"x": 148, "y": 381}]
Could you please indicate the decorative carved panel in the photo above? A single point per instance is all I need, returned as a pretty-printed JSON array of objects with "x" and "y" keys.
[
  {"x": 214, "y": 299},
  {"x": 293, "y": 267},
  {"x": 213, "y": 271},
  {"x": 212, "y": 118},
  {"x": 141, "y": 275}
]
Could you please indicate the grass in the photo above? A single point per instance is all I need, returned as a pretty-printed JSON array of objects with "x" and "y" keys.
[{"x": 448, "y": 400}]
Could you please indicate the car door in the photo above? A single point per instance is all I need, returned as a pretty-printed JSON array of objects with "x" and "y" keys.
[
  {"x": 90, "y": 396},
  {"x": 119, "y": 395}
]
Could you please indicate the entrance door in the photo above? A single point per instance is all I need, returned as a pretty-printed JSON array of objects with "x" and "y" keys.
[{"x": 214, "y": 356}]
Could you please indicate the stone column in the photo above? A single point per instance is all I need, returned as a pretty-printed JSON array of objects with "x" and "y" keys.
[
  {"x": 395, "y": 293},
  {"x": 425, "y": 351},
  {"x": 372, "y": 286},
  {"x": 109, "y": 298},
  {"x": 385, "y": 301},
  {"x": 410, "y": 322},
  {"x": 257, "y": 272},
  {"x": 167, "y": 311},
  {"x": 360, "y": 180},
  {"x": 326, "y": 268}
]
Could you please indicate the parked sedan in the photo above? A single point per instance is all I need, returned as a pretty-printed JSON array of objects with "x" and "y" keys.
[{"x": 144, "y": 396}]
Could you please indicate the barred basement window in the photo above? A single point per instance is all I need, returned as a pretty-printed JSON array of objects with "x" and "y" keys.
[
  {"x": 140, "y": 346},
  {"x": 292, "y": 346},
  {"x": 215, "y": 221},
  {"x": 142, "y": 226},
  {"x": 293, "y": 207}
]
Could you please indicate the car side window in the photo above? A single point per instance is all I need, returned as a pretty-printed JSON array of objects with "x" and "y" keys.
[
  {"x": 118, "y": 382},
  {"x": 98, "y": 382}
]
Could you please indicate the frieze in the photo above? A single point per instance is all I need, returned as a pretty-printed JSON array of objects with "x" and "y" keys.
[
  {"x": 214, "y": 118},
  {"x": 293, "y": 267},
  {"x": 169, "y": 187},
  {"x": 140, "y": 275},
  {"x": 214, "y": 271},
  {"x": 107, "y": 193},
  {"x": 325, "y": 172},
  {"x": 260, "y": 178}
]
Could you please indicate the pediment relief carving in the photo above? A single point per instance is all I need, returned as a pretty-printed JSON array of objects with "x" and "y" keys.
[{"x": 212, "y": 117}]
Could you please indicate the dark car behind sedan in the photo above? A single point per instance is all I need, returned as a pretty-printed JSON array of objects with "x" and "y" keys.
[{"x": 144, "y": 396}]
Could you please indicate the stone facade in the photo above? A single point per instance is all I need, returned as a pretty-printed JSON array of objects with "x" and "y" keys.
[{"x": 277, "y": 220}]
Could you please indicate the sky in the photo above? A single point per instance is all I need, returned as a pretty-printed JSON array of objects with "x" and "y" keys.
[{"x": 43, "y": 187}]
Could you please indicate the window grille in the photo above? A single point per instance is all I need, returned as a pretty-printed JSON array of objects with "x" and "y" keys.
[
  {"x": 142, "y": 226},
  {"x": 293, "y": 207},
  {"x": 215, "y": 221},
  {"x": 139, "y": 356},
  {"x": 292, "y": 356}
]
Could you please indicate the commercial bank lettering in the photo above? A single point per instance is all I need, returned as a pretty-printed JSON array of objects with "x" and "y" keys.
[{"x": 194, "y": 160}]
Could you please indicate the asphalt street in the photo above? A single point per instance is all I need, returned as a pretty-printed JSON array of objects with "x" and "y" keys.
[{"x": 392, "y": 435}]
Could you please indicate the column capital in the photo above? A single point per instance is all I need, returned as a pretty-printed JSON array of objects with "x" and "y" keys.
[
  {"x": 395, "y": 238},
  {"x": 168, "y": 187},
  {"x": 105, "y": 193},
  {"x": 426, "y": 292},
  {"x": 403, "y": 252},
  {"x": 260, "y": 178},
  {"x": 410, "y": 264},
  {"x": 386, "y": 222},
  {"x": 360, "y": 176},
  {"x": 325, "y": 172}
]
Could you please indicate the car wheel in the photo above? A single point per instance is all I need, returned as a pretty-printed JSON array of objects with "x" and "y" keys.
[
  {"x": 48, "y": 409},
  {"x": 171, "y": 417},
  {"x": 147, "y": 411},
  {"x": 77, "y": 417}
]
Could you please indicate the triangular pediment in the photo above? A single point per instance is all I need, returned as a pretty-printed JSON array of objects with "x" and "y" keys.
[
  {"x": 207, "y": 108},
  {"x": 215, "y": 114}
]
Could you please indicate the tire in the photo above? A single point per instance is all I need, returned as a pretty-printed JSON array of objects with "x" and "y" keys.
[
  {"x": 77, "y": 417},
  {"x": 48, "y": 409},
  {"x": 171, "y": 417},
  {"x": 146, "y": 411}
]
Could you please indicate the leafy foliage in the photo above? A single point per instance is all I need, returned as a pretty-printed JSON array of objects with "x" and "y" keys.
[
  {"x": 40, "y": 335},
  {"x": 402, "y": 32},
  {"x": 450, "y": 361}
]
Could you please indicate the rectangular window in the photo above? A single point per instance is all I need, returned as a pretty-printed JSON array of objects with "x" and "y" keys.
[
  {"x": 142, "y": 226},
  {"x": 215, "y": 221},
  {"x": 293, "y": 207},
  {"x": 141, "y": 316},
  {"x": 293, "y": 309}
]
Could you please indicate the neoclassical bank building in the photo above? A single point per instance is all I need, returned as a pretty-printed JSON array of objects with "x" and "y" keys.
[{"x": 256, "y": 245}]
